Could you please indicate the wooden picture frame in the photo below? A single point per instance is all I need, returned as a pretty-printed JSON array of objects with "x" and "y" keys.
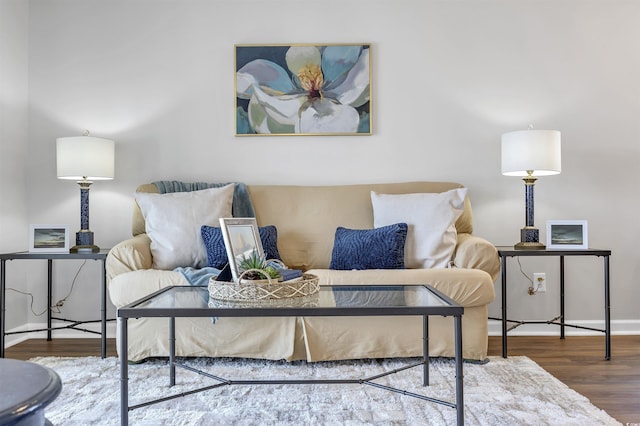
[
  {"x": 567, "y": 234},
  {"x": 48, "y": 238},
  {"x": 241, "y": 239}
]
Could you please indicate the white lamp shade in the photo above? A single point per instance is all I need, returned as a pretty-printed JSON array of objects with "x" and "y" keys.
[
  {"x": 531, "y": 150},
  {"x": 85, "y": 157}
]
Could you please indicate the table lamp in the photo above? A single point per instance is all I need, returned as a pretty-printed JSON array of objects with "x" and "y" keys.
[
  {"x": 530, "y": 153},
  {"x": 84, "y": 159}
]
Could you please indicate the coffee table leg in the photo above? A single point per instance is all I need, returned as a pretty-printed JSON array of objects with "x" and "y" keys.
[
  {"x": 124, "y": 373},
  {"x": 172, "y": 351},
  {"x": 459, "y": 374},
  {"x": 425, "y": 350}
]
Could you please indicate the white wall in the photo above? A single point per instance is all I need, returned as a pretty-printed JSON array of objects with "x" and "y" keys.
[
  {"x": 14, "y": 37},
  {"x": 449, "y": 77}
]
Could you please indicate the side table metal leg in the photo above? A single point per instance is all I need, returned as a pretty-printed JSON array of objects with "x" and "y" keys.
[
  {"x": 49, "y": 296},
  {"x": 607, "y": 310},
  {"x": 562, "y": 297},
  {"x": 124, "y": 374},
  {"x": 103, "y": 312},
  {"x": 459, "y": 373},
  {"x": 504, "y": 306},
  {"x": 3, "y": 303}
]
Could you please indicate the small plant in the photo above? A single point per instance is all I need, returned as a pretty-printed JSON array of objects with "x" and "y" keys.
[{"x": 255, "y": 261}]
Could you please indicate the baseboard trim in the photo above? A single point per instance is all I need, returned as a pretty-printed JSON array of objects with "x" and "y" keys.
[
  {"x": 618, "y": 327},
  {"x": 65, "y": 333}
]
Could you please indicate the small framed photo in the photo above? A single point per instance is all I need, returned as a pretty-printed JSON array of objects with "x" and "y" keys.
[
  {"x": 49, "y": 238},
  {"x": 241, "y": 239},
  {"x": 567, "y": 234}
]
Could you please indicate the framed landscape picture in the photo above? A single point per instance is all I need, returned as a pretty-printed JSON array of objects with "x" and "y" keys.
[
  {"x": 303, "y": 89},
  {"x": 567, "y": 234},
  {"x": 49, "y": 238}
]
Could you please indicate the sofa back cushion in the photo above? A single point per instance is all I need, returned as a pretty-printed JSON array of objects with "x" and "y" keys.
[{"x": 307, "y": 216}]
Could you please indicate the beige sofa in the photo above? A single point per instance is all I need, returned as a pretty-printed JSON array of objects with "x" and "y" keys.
[{"x": 306, "y": 218}]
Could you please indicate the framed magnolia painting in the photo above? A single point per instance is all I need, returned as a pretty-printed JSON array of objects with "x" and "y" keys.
[{"x": 303, "y": 89}]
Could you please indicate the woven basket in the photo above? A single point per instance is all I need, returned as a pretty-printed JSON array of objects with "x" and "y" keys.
[
  {"x": 252, "y": 291},
  {"x": 310, "y": 301}
]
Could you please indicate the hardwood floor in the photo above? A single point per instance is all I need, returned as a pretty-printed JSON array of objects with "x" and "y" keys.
[
  {"x": 59, "y": 347},
  {"x": 613, "y": 385}
]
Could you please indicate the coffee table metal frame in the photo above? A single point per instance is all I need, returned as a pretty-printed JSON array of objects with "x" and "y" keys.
[{"x": 449, "y": 308}]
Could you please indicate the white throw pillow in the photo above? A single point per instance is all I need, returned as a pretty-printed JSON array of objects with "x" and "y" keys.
[
  {"x": 173, "y": 222},
  {"x": 431, "y": 217}
]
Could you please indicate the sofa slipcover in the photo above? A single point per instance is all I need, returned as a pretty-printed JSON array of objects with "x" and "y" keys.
[{"x": 306, "y": 218}]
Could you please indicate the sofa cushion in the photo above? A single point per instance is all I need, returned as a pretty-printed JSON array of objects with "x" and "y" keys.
[
  {"x": 468, "y": 287},
  {"x": 307, "y": 216},
  {"x": 431, "y": 218},
  {"x": 173, "y": 223},
  {"x": 381, "y": 248},
  {"x": 217, "y": 252}
]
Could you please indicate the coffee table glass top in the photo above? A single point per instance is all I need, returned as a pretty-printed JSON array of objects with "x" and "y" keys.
[{"x": 193, "y": 301}]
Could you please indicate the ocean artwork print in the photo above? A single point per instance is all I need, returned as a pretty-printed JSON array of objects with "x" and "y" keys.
[{"x": 303, "y": 89}]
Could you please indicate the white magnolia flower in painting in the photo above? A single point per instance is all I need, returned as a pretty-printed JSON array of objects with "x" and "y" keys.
[{"x": 319, "y": 95}]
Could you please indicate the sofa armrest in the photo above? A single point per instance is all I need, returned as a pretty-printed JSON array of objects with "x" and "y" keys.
[
  {"x": 477, "y": 253},
  {"x": 129, "y": 255}
]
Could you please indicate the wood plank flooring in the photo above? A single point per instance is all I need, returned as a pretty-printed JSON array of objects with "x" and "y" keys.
[{"x": 613, "y": 385}]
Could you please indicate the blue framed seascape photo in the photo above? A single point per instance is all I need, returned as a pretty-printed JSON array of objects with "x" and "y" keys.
[{"x": 303, "y": 89}]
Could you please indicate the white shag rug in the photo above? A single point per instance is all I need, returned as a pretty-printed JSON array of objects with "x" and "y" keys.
[{"x": 513, "y": 391}]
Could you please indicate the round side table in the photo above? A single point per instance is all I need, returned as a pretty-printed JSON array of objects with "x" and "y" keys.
[{"x": 27, "y": 388}]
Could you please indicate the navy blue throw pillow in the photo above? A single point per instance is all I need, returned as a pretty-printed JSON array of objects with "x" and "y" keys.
[
  {"x": 379, "y": 248},
  {"x": 217, "y": 253},
  {"x": 269, "y": 240}
]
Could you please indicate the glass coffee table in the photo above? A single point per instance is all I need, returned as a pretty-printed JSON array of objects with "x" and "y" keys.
[{"x": 359, "y": 300}]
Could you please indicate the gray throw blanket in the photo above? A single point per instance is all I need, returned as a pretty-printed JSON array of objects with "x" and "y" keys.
[
  {"x": 242, "y": 205},
  {"x": 198, "y": 277}
]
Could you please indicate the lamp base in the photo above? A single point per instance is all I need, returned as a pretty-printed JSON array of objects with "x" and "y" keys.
[
  {"x": 84, "y": 249},
  {"x": 529, "y": 246},
  {"x": 84, "y": 243},
  {"x": 529, "y": 239}
]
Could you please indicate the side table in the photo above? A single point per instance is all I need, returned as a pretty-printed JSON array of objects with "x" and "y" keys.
[
  {"x": 50, "y": 257},
  {"x": 506, "y": 252},
  {"x": 27, "y": 388}
]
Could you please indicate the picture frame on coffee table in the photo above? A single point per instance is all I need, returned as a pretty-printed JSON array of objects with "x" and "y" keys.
[
  {"x": 567, "y": 234},
  {"x": 241, "y": 239}
]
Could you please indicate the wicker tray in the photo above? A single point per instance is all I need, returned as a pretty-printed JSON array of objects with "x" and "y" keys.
[
  {"x": 248, "y": 291},
  {"x": 310, "y": 301}
]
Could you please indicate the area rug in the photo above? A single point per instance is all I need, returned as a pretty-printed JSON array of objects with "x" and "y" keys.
[{"x": 513, "y": 391}]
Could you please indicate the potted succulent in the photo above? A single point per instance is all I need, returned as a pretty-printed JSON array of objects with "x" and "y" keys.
[{"x": 255, "y": 268}]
